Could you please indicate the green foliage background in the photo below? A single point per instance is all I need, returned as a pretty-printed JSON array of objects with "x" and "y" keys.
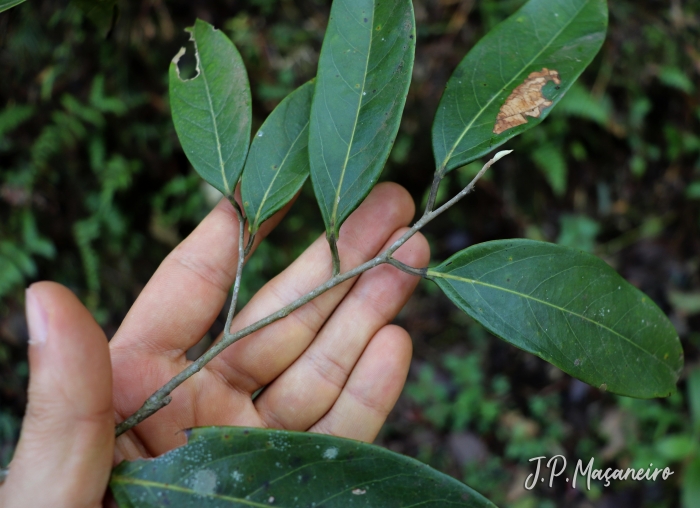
[{"x": 95, "y": 190}]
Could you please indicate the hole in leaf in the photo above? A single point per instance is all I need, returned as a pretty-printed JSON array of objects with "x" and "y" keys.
[{"x": 186, "y": 61}]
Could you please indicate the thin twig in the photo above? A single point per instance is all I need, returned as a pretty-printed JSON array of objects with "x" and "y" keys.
[
  {"x": 429, "y": 215},
  {"x": 432, "y": 197},
  {"x": 249, "y": 246},
  {"x": 335, "y": 255},
  {"x": 418, "y": 272},
  {"x": 162, "y": 396},
  {"x": 239, "y": 269}
]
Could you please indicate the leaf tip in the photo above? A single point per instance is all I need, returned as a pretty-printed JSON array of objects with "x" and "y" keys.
[{"x": 199, "y": 22}]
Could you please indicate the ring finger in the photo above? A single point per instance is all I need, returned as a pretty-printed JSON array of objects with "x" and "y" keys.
[{"x": 308, "y": 388}]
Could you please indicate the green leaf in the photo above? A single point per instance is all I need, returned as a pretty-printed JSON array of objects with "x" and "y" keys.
[
  {"x": 675, "y": 447},
  {"x": 556, "y": 39},
  {"x": 230, "y": 466},
  {"x": 33, "y": 241},
  {"x": 570, "y": 309},
  {"x": 676, "y": 78},
  {"x": 13, "y": 116},
  {"x": 552, "y": 163},
  {"x": 7, "y": 4},
  {"x": 212, "y": 111},
  {"x": 578, "y": 231},
  {"x": 363, "y": 76},
  {"x": 686, "y": 302},
  {"x": 278, "y": 163},
  {"x": 18, "y": 257},
  {"x": 578, "y": 102},
  {"x": 10, "y": 275}
]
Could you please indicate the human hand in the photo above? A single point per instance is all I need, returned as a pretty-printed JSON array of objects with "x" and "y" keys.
[{"x": 334, "y": 366}]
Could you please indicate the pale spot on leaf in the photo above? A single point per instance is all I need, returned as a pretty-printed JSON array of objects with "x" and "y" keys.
[
  {"x": 330, "y": 453},
  {"x": 525, "y": 100},
  {"x": 204, "y": 482}
]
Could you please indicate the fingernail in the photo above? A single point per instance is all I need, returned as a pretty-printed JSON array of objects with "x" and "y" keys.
[{"x": 37, "y": 319}]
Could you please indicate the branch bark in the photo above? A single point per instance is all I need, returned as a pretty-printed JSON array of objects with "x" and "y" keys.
[
  {"x": 239, "y": 267},
  {"x": 161, "y": 397}
]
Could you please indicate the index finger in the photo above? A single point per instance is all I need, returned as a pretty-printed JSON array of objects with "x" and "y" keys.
[{"x": 186, "y": 294}]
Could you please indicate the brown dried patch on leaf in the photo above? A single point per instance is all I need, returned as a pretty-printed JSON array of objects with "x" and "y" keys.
[{"x": 525, "y": 100}]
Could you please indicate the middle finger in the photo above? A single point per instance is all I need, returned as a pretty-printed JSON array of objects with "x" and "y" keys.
[{"x": 308, "y": 389}]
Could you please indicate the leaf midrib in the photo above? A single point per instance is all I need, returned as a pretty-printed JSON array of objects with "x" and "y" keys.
[
  {"x": 279, "y": 170},
  {"x": 446, "y": 160},
  {"x": 213, "y": 121},
  {"x": 184, "y": 490},
  {"x": 432, "y": 273},
  {"x": 336, "y": 198}
]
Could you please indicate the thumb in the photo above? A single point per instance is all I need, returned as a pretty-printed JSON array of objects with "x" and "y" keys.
[{"x": 66, "y": 447}]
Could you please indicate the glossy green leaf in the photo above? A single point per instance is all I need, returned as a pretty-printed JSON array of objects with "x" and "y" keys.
[
  {"x": 278, "y": 162},
  {"x": 570, "y": 309},
  {"x": 363, "y": 76},
  {"x": 212, "y": 111},
  {"x": 232, "y": 466},
  {"x": 8, "y": 4},
  {"x": 560, "y": 36}
]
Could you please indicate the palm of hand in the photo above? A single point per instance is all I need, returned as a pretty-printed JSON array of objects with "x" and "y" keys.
[{"x": 333, "y": 366}]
